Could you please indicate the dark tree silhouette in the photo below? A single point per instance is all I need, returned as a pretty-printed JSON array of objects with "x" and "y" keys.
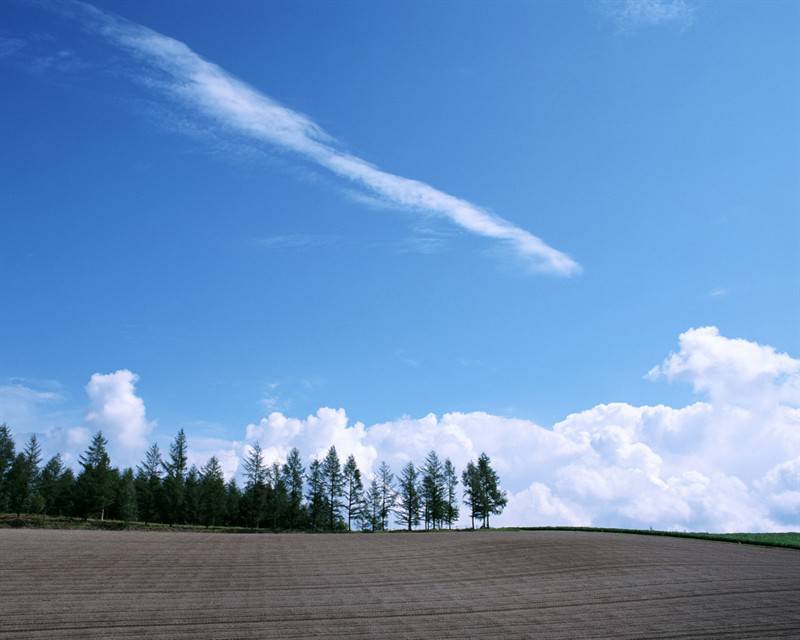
[{"x": 409, "y": 500}]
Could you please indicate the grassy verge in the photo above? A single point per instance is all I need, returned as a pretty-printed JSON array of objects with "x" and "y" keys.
[{"x": 789, "y": 540}]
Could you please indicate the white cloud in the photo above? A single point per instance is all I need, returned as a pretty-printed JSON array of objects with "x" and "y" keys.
[
  {"x": 22, "y": 403},
  {"x": 209, "y": 90},
  {"x": 728, "y": 462},
  {"x": 115, "y": 409},
  {"x": 630, "y": 15},
  {"x": 296, "y": 241},
  {"x": 733, "y": 371}
]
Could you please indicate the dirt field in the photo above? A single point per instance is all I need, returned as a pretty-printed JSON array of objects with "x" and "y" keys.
[{"x": 102, "y": 584}]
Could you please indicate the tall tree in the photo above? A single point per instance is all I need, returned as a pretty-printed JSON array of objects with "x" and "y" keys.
[
  {"x": 126, "y": 497},
  {"x": 175, "y": 479},
  {"x": 212, "y": 493},
  {"x": 472, "y": 491},
  {"x": 409, "y": 497},
  {"x": 7, "y": 455},
  {"x": 255, "y": 488},
  {"x": 433, "y": 490},
  {"x": 334, "y": 486},
  {"x": 280, "y": 497},
  {"x": 293, "y": 473},
  {"x": 451, "y": 500},
  {"x": 493, "y": 497},
  {"x": 149, "y": 492},
  {"x": 317, "y": 501},
  {"x": 373, "y": 501},
  {"x": 95, "y": 483},
  {"x": 193, "y": 495},
  {"x": 18, "y": 484},
  {"x": 353, "y": 491},
  {"x": 233, "y": 499},
  {"x": 51, "y": 485},
  {"x": 388, "y": 493}
]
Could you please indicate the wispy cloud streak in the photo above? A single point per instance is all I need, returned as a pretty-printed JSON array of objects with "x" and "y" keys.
[
  {"x": 631, "y": 15},
  {"x": 233, "y": 104}
]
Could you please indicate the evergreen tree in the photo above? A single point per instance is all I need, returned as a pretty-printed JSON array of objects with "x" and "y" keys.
[
  {"x": 333, "y": 481},
  {"x": 353, "y": 491},
  {"x": 126, "y": 497},
  {"x": 317, "y": 501},
  {"x": 7, "y": 455},
  {"x": 18, "y": 482},
  {"x": 175, "y": 480},
  {"x": 212, "y": 493},
  {"x": 55, "y": 485},
  {"x": 192, "y": 495},
  {"x": 65, "y": 505},
  {"x": 433, "y": 491},
  {"x": 451, "y": 500},
  {"x": 409, "y": 497},
  {"x": 293, "y": 473},
  {"x": 472, "y": 491},
  {"x": 493, "y": 498},
  {"x": 33, "y": 455},
  {"x": 388, "y": 493},
  {"x": 233, "y": 499},
  {"x": 279, "y": 498},
  {"x": 255, "y": 489},
  {"x": 149, "y": 491},
  {"x": 95, "y": 483},
  {"x": 373, "y": 501}
]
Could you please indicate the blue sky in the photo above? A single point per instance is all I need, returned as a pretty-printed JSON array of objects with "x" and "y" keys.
[{"x": 651, "y": 146}]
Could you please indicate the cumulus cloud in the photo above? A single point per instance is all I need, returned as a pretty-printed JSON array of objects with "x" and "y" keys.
[
  {"x": 206, "y": 89},
  {"x": 115, "y": 409},
  {"x": 728, "y": 462}
]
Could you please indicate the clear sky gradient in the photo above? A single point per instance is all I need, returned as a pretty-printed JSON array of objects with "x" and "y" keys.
[{"x": 659, "y": 151}]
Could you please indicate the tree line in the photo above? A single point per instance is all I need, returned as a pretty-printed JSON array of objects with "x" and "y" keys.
[{"x": 327, "y": 496}]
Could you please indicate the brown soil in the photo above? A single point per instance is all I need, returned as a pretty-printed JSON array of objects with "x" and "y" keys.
[{"x": 515, "y": 584}]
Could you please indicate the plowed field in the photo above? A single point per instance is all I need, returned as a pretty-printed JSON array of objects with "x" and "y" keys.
[{"x": 103, "y": 584}]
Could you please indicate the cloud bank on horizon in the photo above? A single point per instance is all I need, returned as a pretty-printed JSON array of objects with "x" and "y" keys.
[
  {"x": 728, "y": 462},
  {"x": 210, "y": 91}
]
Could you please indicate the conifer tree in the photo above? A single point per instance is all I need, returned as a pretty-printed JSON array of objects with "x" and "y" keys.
[
  {"x": 373, "y": 501},
  {"x": 353, "y": 491},
  {"x": 149, "y": 491},
  {"x": 126, "y": 497},
  {"x": 54, "y": 487},
  {"x": 451, "y": 500},
  {"x": 472, "y": 491},
  {"x": 233, "y": 499},
  {"x": 95, "y": 484},
  {"x": 192, "y": 495},
  {"x": 255, "y": 489},
  {"x": 433, "y": 490},
  {"x": 18, "y": 481},
  {"x": 409, "y": 497},
  {"x": 493, "y": 498},
  {"x": 175, "y": 480},
  {"x": 212, "y": 493},
  {"x": 279, "y": 498},
  {"x": 317, "y": 501},
  {"x": 333, "y": 480},
  {"x": 388, "y": 493},
  {"x": 293, "y": 473},
  {"x": 7, "y": 455}
]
